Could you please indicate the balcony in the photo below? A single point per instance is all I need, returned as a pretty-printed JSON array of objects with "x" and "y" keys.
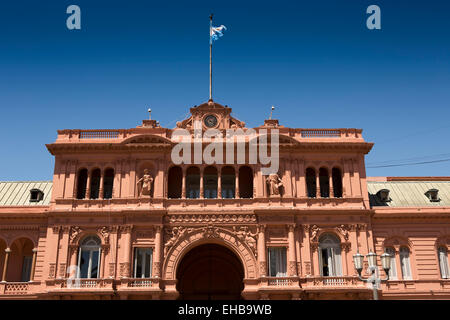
[
  {"x": 139, "y": 284},
  {"x": 80, "y": 285},
  {"x": 18, "y": 288},
  {"x": 333, "y": 282}
]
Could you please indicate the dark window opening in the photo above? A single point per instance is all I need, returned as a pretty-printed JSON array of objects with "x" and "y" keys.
[
  {"x": 108, "y": 183},
  {"x": 337, "y": 182},
  {"x": 228, "y": 181},
  {"x": 311, "y": 182},
  {"x": 210, "y": 182},
  {"x": 193, "y": 183},
  {"x": 36, "y": 195},
  {"x": 245, "y": 182},
  {"x": 175, "y": 181},
  {"x": 95, "y": 184},
  {"x": 324, "y": 183},
  {"x": 82, "y": 182}
]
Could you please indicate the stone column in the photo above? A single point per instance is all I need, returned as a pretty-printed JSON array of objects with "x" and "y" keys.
[
  {"x": 236, "y": 183},
  {"x": 157, "y": 254},
  {"x": 103, "y": 252},
  {"x": 201, "y": 183},
  {"x": 317, "y": 184},
  {"x": 262, "y": 251},
  {"x": 219, "y": 183},
  {"x": 301, "y": 189},
  {"x": 33, "y": 264},
  {"x": 330, "y": 179},
  {"x": 125, "y": 265},
  {"x": 292, "y": 267},
  {"x": 102, "y": 176},
  {"x": 87, "y": 195},
  {"x": 307, "y": 251},
  {"x": 5, "y": 265},
  {"x": 183, "y": 184}
]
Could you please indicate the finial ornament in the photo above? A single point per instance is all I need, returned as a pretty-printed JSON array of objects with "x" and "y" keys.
[
  {"x": 273, "y": 108},
  {"x": 149, "y": 114}
]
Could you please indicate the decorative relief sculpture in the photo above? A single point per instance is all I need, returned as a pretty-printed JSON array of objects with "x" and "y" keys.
[
  {"x": 173, "y": 235},
  {"x": 314, "y": 230},
  {"x": 74, "y": 232},
  {"x": 275, "y": 184},
  {"x": 146, "y": 181},
  {"x": 210, "y": 232},
  {"x": 245, "y": 235},
  {"x": 343, "y": 229},
  {"x": 104, "y": 231}
]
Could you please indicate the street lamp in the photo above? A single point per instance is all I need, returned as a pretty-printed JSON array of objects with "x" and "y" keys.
[{"x": 358, "y": 260}]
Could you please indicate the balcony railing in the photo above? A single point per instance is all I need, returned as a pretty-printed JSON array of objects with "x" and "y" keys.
[
  {"x": 343, "y": 281},
  {"x": 99, "y": 134},
  {"x": 281, "y": 281},
  {"x": 86, "y": 284},
  {"x": 321, "y": 133},
  {"x": 16, "y": 288}
]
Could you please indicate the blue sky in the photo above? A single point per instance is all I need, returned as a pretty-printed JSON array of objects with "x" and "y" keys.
[{"x": 314, "y": 60}]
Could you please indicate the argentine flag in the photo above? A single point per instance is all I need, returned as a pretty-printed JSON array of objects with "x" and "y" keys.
[{"x": 216, "y": 32}]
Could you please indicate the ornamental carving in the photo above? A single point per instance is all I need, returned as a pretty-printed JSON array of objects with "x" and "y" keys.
[
  {"x": 292, "y": 265},
  {"x": 314, "y": 231},
  {"x": 262, "y": 269},
  {"x": 112, "y": 269},
  {"x": 145, "y": 184},
  {"x": 52, "y": 270},
  {"x": 210, "y": 232},
  {"x": 245, "y": 235},
  {"x": 208, "y": 218},
  {"x": 74, "y": 233},
  {"x": 173, "y": 235},
  {"x": 124, "y": 269},
  {"x": 104, "y": 232},
  {"x": 344, "y": 231},
  {"x": 274, "y": 183}
]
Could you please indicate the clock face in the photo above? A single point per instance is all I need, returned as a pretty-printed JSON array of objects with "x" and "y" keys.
[{"x": 210, "y": 121}]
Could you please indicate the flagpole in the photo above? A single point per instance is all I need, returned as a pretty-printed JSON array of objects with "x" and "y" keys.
[{"x": 210, "y": 57}]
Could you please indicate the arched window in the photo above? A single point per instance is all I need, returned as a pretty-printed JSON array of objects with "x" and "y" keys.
[
  {"x": 82, "y": 183},
  {"x": 228, "y": 181},
  {"x": 330, "y": 256},
  {"x": 337, "y": 182},
  {"x": 193, "y": 183},
  {"x": 245, "y": 182},
  {"x": 443, "y": 263},
  {"x": 95, "y": 183},
  {"x": 210, "y": 182},
  {"x": 393, "y": 269},
  {"x": 175, "y": 180},
  {"x": 405, "y": 263},
  {"x": 89, "y": 258},
  {"x": 108, "y": 183},
  {"x": 311, "y": 182},
  {"x": 324, "y": 183}
]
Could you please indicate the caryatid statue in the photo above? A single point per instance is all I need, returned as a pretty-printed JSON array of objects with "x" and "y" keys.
[
  {"x": 146, "y": 181},
  {"x": 275, "y": 184}
]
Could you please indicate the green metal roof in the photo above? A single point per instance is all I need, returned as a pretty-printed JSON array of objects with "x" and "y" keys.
[
  {"x": 409, "y": 193},
  {"x": 17, "y": 193}
]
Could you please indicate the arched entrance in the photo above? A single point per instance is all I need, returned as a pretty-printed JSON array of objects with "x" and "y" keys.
[{"x": 210, "y": 272}]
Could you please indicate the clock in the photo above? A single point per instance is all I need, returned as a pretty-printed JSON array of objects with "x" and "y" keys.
[{"x": 210, "y": 121}]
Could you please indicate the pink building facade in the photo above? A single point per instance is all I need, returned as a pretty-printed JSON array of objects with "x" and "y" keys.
[{"x": 121, "y": 220}]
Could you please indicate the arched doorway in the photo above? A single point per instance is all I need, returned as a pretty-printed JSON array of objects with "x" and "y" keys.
[{"x": 210, "y": 272}]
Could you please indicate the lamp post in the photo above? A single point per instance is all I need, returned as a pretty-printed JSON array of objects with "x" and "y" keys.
[{"x": 358, "y": 260}]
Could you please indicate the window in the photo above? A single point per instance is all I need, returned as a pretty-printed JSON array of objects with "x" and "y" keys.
[
  {"x": 311, "y": 182},
  {"x": 26, "y": 268},
  {"x": 432, "y": 195},
  {"x": 175, "y": 181},
  {"x": 193, "y": 183},
  {"x": 393, "y": 269},
  {"x": 210, "y": 182},
  {"x": 108, "y": 183},
  {"x": 324, "y": 181},
  {"x": 404, "y": 261},
  {"x": 36, "y": 195},
  {"x": 95, "y": 183},
  {"x": 277, "y": 262},
  {"x": 337, "y": 182},
  {"x": 245, "y": 182},
  {"x": 228, "y": 181},
  {"x": 443, "y": 263},
  {"x": 143, "y": 262},
  {"x": 89, "y": 258},
  {"x": 330, "y": 256},
  {"x": 82, "y": 182},
  {"x": 383, "y": 195}
]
